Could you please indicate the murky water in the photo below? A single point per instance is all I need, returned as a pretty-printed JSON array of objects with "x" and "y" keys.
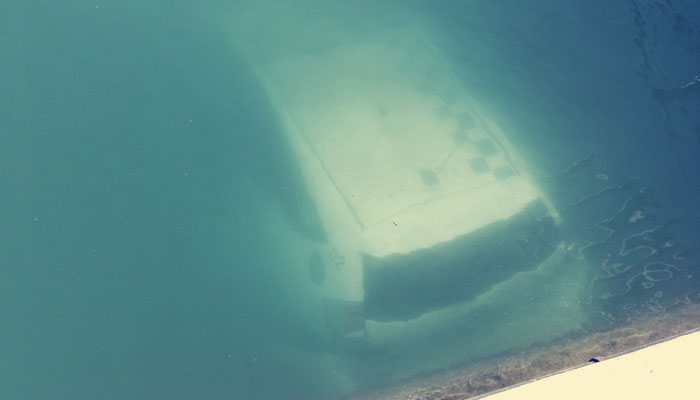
[{"x": 164, "y": 232}]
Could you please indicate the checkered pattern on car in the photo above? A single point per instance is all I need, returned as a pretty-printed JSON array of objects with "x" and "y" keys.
[{"x": 484, "y": 155}]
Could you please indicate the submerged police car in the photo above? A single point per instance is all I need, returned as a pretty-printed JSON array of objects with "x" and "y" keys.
[{"x": 422, "y": 200}]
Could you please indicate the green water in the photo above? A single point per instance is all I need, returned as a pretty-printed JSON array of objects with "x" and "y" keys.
[
  {"x": 150, "y": 205},
  {"x": 134, "y": 245}
]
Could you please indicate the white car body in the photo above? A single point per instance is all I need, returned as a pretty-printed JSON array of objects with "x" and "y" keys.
[{"x": 403, "y": 167}]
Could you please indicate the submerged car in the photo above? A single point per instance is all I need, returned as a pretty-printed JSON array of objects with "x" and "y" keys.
[{"x": 423, "y": 201}]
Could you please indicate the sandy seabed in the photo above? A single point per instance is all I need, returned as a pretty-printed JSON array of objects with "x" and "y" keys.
[{"x": 486, "y": 376}]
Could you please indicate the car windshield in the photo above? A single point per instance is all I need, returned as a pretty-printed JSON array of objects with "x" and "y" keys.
[{"x": 268, "y": 199}]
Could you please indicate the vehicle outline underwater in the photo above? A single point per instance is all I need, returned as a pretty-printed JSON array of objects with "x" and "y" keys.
[
  {"x": 422, "y": 201},
  {"x": 402, "y": 165}
]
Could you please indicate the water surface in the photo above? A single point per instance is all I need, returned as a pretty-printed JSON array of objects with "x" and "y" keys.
[{"x": 150, "y": 201}]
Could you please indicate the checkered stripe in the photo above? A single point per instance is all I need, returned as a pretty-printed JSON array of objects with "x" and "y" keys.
[
  {"x": 484, "y": 156},
  {"x": 484, "y": 159}
]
